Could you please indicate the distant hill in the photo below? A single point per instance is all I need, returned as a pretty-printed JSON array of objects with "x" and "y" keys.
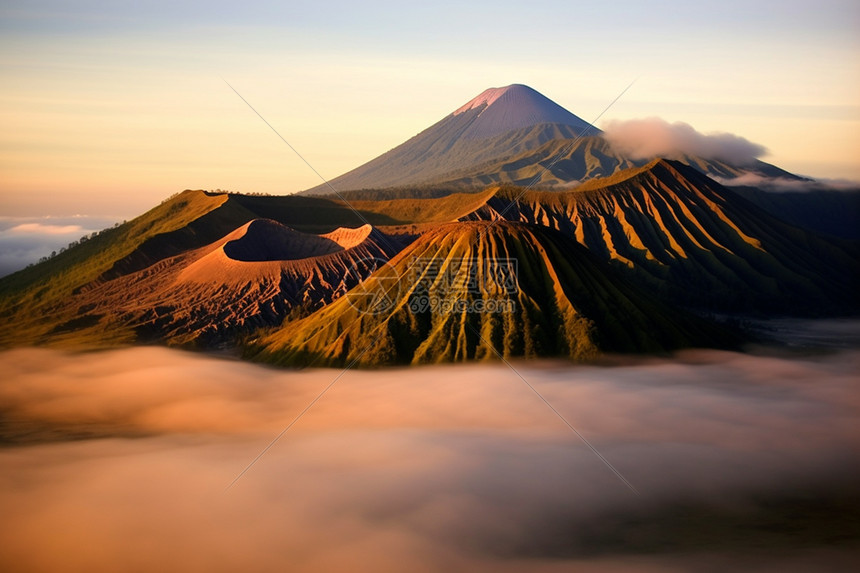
[
  {"x": 565, "y": 163},
  {"x": 830, "y": 212}
]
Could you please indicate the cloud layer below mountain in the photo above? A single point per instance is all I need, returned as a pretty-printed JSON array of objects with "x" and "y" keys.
[
  {"x": 654, "y": 137},
  {"x": 119, "y": 461},
  {"x": 23, "y": 240}
]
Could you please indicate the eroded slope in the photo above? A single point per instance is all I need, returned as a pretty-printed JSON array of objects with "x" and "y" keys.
[
  {"x": 681, "y": 234},
  {"x": 449, "y": 297}
]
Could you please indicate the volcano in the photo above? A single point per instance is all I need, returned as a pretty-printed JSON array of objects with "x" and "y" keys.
[
  {"x": 495, "y": 124},
  {"x": 638, "y": 257},
  {"x": 516, "y": 135}
]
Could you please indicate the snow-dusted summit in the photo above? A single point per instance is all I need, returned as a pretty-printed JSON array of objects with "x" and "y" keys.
[{"x": 514, "y": 107}]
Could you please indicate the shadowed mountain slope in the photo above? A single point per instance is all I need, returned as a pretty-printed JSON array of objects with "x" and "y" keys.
[
  {"x": 681, "y": 234},
  {"x": 420, "y": 210},
  {"x": 564, "y": 163},
  {"x": 824, "y": 211},
  {"x": 465, "y": 291}
]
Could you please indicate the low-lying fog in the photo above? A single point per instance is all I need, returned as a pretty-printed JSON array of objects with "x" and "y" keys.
[{"x": 119, "y": 461}]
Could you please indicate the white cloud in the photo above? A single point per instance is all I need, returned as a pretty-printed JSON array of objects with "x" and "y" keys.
[
  {"x": 783, "y": 184},
  {"x": 24, "y": 240},
  {"x": 654, "y": 137},
  {"x": 769, "y": 183},
  {"x": 45, "y": 229},
  {"x": 428, "y": 469}
]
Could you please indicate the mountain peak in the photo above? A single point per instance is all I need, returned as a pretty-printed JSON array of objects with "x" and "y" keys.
[
  {"x": 515, "y": 107},
  {"x": 490, "y": 95},
  {"x": 496, "y": 125}
]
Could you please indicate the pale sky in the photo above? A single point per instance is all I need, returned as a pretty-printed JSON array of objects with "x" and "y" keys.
[{"x": 108, "y": 107}]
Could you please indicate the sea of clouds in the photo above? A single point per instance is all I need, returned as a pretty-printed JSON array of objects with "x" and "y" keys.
[
  {"x": 122, "y": 460},
  {"x": 24, "y": 240}
]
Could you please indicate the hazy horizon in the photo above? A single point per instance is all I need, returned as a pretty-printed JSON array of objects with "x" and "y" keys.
[{"x": 113, "y": 107}]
